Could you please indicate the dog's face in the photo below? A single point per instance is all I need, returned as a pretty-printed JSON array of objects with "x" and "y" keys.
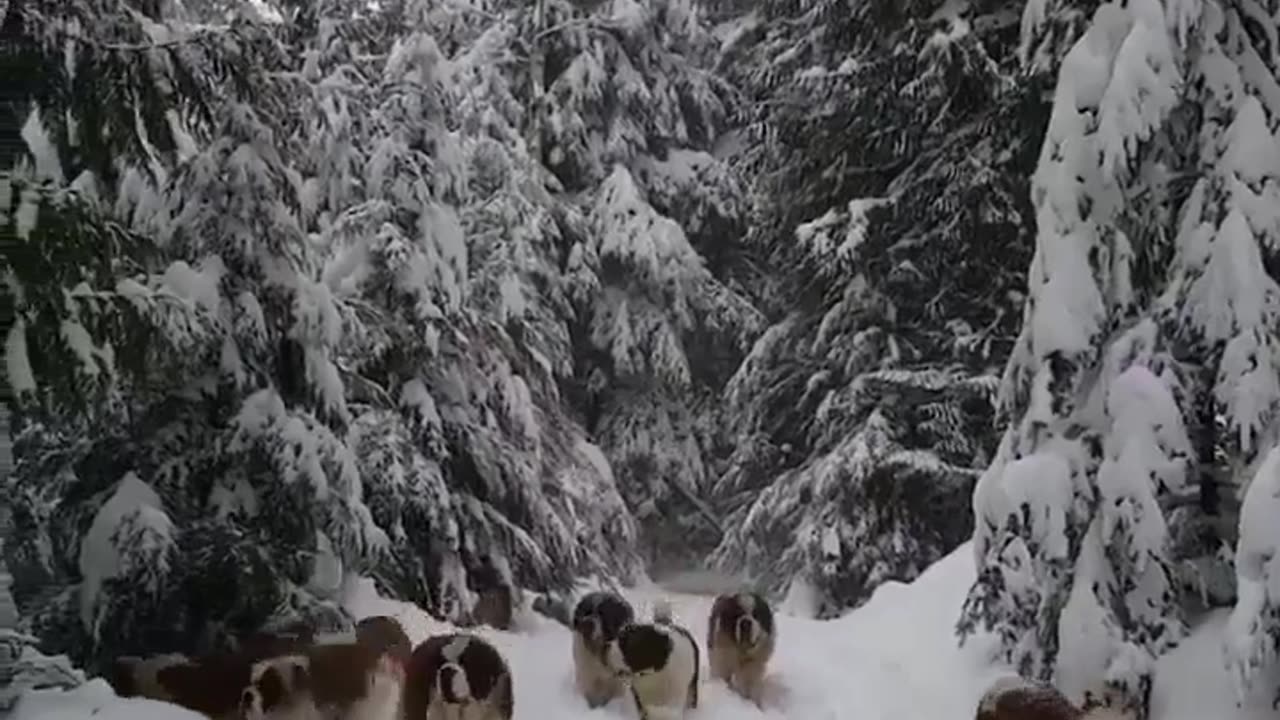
[
  {"x": 470, "y": 670},
  {"x": 640, "y": 649},
  {"x": 747, "y": 618},
  {"x": 600, "y": 616},
  {"x": 275, "y": 685}
]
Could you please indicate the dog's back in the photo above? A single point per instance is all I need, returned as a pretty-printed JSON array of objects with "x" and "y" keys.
[{"x": 664, "y": 615}]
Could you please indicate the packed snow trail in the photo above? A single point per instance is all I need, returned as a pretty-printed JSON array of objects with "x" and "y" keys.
[{"x": 893, "y": 659}]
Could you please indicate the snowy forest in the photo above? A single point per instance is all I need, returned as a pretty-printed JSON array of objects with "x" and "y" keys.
[{"x": 469, "y": 296}]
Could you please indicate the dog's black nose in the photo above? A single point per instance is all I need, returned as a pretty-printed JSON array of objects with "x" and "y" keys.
[
  {"x": 246, "y": 700},
  {"x": 744, "y": 630}
]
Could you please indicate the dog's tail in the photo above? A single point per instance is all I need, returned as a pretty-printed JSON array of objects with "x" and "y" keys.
[{"x": 662, "y": 612}]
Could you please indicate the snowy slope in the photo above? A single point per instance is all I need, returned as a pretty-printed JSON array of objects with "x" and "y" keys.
[{"x": 893, "y": 659}]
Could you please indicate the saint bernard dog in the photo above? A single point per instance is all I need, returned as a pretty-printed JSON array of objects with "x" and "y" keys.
[
  {"x": 740, "y": 641},
  {"x": 458, "y": 676},
  {"x": 274, "y": 674},
  {"x": 597, "y": 619},
  {"x": 342, "y": 681},
  {"x": 660, "y": 661}
]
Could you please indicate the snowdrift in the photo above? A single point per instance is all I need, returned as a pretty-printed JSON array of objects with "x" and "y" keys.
[{"x": 893, "y": 659}]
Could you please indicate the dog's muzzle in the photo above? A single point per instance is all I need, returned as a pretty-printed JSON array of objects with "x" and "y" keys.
[
  {"x": 589, "y": 628},
  {"x": 452, "y": 680},
  {"x": 745, "y": 632},
  {"x": 249, "y": 704}
]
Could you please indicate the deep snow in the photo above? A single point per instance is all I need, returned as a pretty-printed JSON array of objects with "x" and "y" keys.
[{"x": 893, "y": 659}]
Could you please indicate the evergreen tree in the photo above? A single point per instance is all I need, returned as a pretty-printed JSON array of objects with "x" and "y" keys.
[
  {"x": 890, "y": 147},
  {"x": 1149, "y": 317},
  {"x": 306, "y": 320},
  {"x": 626, "y": 117}
]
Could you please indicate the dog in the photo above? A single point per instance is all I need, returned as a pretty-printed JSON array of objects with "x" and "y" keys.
[
  {"x": 661, "y": 662},
  {"x": 342, "y": 681},
  {"x": 740, "y": 641},
  {"x": 597, "y": 619},
  {"x": 458, "y": 676},
  {"x": 132, "y": 676},
  {"x": 385, "y": 634},
  {"x": 279, "y": 688},
  {"x": 210, "y": 685},
  {"x": 1015, "y": 698}
]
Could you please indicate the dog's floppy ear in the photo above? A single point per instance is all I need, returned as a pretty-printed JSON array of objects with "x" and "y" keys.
[{"x": 504, "y": 697}]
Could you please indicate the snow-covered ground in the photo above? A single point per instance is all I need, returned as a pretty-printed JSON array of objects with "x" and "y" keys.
[{"x": 893, "y": 659}]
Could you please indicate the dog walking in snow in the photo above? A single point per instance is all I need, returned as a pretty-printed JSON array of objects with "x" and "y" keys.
[
  {"x": 458, "y": 676},
  {"x": 598, "y": 618},
  {"x": 660, "y": 660},
  {"x": 740, "y": 640}
]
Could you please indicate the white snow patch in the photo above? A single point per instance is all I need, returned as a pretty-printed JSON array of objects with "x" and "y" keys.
[
  {"x": 43, "y": 151},
  {"x": 17, "y": 363},
  {"x": 100, "y": 558}
]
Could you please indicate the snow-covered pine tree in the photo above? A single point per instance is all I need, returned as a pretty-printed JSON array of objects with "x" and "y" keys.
[
  {"x": 248, "y": 349},
  {"x": 485, "y": 477},
  {"x": 625, "y": 118},
  {"x": 202, "y": 461},
  {"x": 891, "y": 147},
  {"x": 1151, "y": 314}
]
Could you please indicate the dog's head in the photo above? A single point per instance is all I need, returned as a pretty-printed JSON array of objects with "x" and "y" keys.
[
  {"x": 640, "y": 649},
  {"x": 384, "y": 634},
  {"x": 275, "y": 684},
  {"x": 745, "y": 617},
  {"x": 469, "y": 670},
  {"x": 600, "y": 616}
]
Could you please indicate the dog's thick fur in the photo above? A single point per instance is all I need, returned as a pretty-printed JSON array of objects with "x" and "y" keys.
[
  {"x": 741, "y": 636},
  {"x": 661, "y": 662},
  {"x": 132, "y": 676},
  {"x": 385, "y": 634},
  {"x": 458, "y": 676},
  {"x": 352, "y": 681},
  {"x": 597, "y": 619},
  {"x": 1015, "y": 698}
]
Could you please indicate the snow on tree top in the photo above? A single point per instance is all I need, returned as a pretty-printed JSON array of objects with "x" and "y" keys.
[{"x": 101, "y": 558}]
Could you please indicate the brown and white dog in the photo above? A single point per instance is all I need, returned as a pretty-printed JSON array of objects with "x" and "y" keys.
[
  {"x": 1015, "y": 698},
  {"x": 210, "y": 685},
  {"x": 458, "y": 676},
  {"x": 132, "y": 676},
  {"x": 741, "y": 636},
  {"x": 660, "y": 660},
  {"x": 279, "y": 688},
  {"x": 597, "y": 619},
  {"x": 343, "y": 681}
]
